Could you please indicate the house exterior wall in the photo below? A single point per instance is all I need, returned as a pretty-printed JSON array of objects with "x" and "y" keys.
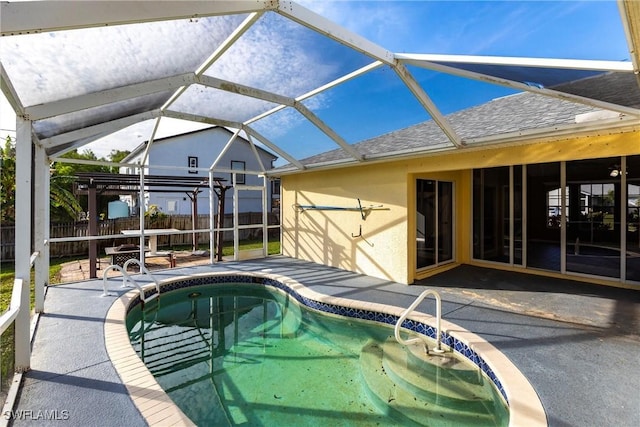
[
  {"x": 325, "y": 236},
  {"x": 387, "y": 246},
  {"x": 205, "y": 146}
]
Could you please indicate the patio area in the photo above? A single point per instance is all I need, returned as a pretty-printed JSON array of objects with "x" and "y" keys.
[{"x": 576, "y": 343}]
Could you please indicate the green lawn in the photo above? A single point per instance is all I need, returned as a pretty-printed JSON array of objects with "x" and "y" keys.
[
  {"x": 7, "y": 274},
  {"x": 227, "y": 249}
]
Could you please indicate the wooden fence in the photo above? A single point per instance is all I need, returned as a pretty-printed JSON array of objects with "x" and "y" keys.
[{"x": 114, "y": 226}]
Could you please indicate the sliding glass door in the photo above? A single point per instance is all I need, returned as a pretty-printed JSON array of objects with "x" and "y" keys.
[{"x": 434, "y": 222}]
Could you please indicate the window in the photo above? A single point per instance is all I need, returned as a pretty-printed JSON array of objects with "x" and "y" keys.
[
  {"x": 193, "y": 164},
  {"x": 240, "y": 166},
  {"x": 554, "y": 207},
  {"x": 275, "y": 187}
]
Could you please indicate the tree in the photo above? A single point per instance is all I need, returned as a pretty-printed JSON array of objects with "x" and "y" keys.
[
  {"x": 116, "y": 156},
  {"x": 7, "y": 181},
  {"x": 65, "y": 205}
]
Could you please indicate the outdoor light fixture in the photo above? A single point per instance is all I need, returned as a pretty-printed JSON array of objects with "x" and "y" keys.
[{"x": 615, "y": 171}]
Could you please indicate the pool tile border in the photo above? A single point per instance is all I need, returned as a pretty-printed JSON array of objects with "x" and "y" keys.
[{"x": 525, "y": 408}]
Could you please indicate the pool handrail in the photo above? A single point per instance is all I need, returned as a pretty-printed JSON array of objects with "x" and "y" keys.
[
  {"x": 410, "y": 309},
  {"x": 126, "y": 278}
]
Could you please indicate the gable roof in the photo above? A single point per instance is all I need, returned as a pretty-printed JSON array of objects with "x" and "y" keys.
[{"x": 512, "y": 116}]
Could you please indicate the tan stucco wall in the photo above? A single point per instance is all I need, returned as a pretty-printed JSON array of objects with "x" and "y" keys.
[
  {"x": 325, "y": 236},
  {"x": 387, "y": 246}
]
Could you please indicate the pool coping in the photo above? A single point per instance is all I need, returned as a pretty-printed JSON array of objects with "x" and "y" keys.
[{"x": 525, "y": 407}]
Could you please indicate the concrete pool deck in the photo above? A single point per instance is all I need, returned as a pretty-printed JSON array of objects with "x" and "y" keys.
[{"x": 577, "y": 344}]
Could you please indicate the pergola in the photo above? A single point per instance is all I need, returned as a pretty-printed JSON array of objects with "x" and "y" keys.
[
  {"x": 93, "y": 184},
  {"x": 77, "y": 71}
]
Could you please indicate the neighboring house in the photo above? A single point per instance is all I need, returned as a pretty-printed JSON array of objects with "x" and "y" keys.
[
  {"x": 200, "y": 149},
  {"x": 494, "y": 202}
]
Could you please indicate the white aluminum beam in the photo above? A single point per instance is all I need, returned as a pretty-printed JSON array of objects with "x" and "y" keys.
[
  {"x": 255, "y": 153},
  {"x": 40, "y": 17},
  {"x": 566, "y": 64},
  {"x": 282, "y": 100},
  {"x": 360, "y": 71},
  {"x": 322, "y": 25},
  {"x": 82, "y": 102},
  {"x": 59, "y": 150},
  {"x": 336, "y": 82},
  {"x": 41, "y": 232},
  {"x": 521, "y": 86},
  {"x": 225, "y": 149},
  {"x": 201, "y": 119},
  {"x": 224, "y": 46},
  {"x": 90, "y": 131},
  {"x": 630, "y": 14},
  {"x": 328, "y": 131},
  {"x": 24, "y": 191},
  {"x": 427, "y": 103},
  {"x": 10, "y": 92},
  {"x": 252, "y": 132},
  {"x": 145, "y": 155},
  {"x": 240, "y": 89}
]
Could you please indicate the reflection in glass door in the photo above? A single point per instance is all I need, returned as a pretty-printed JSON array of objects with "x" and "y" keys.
[
  {"x": 593, "y": 220},
  {"x": 632, "y": 260},
  {"x": 434, "y": 222}
]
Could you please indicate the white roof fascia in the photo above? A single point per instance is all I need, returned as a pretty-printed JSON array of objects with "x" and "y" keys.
[
  {"x": 255, "y": 153},
  {"x": 322, "y": 25},
  {"x": 10, "y": 92},
  {"x": 40, "y": 17},
  {"x": 570, "y": 130},
  {"x": 225, "y": 148},
  {"x": 201, "y": 119},
  {"x": 233, "y": 37},
  {"x": 108, "y": 127},
  {"x": 328, "y": 131},
  {"x": 240, "y": 89},
  {"x": 566, "y": 64},
  {"x": 427, "y": 103},
  {"x": 336, "y": 82},
  {"x": 252, "y": 132},
  {"x": 96, "y": 99},
  {"x": 522, "y": 86}
]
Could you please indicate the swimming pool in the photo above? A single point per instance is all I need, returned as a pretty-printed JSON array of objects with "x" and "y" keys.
[
  {"x": 525, "y": 408},
  {"x": 247, "y": 354}
]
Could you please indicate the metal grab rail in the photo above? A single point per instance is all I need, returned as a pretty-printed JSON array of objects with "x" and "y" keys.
[
  {"x": 126, "y": 277},
  {"x": 409, "y": 310}
]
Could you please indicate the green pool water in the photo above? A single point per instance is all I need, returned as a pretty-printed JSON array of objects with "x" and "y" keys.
[{"x": 251, "y": 355}]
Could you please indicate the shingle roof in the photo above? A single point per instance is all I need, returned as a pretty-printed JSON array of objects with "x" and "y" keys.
[{"x": 515, "y": 113}]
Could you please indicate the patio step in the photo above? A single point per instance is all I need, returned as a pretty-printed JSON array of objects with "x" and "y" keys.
[{"x": 422, "y": 396}]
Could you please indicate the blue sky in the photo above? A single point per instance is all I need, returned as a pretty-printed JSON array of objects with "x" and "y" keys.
[{"x": 378, "y": 103}]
